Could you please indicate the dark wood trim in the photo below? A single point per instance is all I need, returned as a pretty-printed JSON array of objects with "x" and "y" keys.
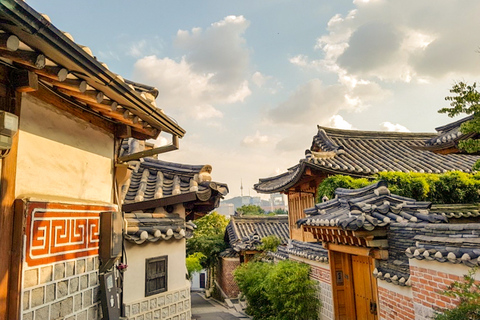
[
  {"x": 161, "y": 202},
  {"x": 8, "y": 299},
  {"x": 16, "y": 268}
]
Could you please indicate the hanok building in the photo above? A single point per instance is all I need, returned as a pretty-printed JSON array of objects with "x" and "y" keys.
[
  {"x": 368, "y": 234},
  {"x": 377, "y": 246},
  {"x": 244, "y": 234},
  {"x": 357, "y": 154},
  {"x": 161, "y": 200},
  {"x": 59, "y": 171}
]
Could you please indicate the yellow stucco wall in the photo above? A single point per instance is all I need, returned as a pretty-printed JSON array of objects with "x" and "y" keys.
[{"x": 59, "y": 155}]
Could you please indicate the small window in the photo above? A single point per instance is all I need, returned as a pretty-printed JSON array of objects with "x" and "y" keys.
[{"x": 156, "y": 275}]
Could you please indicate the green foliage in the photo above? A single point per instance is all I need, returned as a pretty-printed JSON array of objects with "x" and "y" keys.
[
  {"x": 269, "y": 243},
  {"x": 468, "y": 294},
  {"x": 278, "y": 291},
  {"x": 251, "y": 210},
  {"x": 328, "y": 185},
  {"x": 193, "y": 263},
  {"x": 250, "y": 278},
  {"x": 208, "y": 238},
  {"x": 450, "y": 187},
  {"x": 466, "y": 99},
  {"x": 279, "y": 211}
]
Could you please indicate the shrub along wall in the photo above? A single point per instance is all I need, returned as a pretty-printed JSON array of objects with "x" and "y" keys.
[{"x": 450, "y": 187}]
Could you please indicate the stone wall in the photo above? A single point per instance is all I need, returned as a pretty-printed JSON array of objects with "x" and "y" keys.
[
  {"x": 225, "y": 276},
  {"x": 63, "y": 290},
  {"x": 172, "y": 305}
]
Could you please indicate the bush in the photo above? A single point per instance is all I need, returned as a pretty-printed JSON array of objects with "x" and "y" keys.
[
  {"x": 450, "y": 187},
  {"x": 250, "y": 278},
  {"x": 278, "y": 291},
  {"x": 468, "y": 293}
]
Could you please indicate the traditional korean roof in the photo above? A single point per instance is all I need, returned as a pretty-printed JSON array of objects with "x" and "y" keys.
[
  {"x": 31, "y": 42},
  {"x": 246, "y": 232},
  {"x": 446, "y": 141},
  {"x": 155, "y": 183},
  {"x": 152, "y": 227},
  {"x": 364, "y": 153},
  {"x": 309, "y": 250},
  {"x": 367, "y": 208},
  {"x": 453, "y": 243}
]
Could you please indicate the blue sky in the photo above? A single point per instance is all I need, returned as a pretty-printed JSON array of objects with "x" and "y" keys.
[{"x": 250, "y": 80}]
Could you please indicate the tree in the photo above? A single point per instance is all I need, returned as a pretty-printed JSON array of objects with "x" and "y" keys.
[
  {"x": 194, "y": 264},
  {"x": 208, "y": 240},
  {"x": 251, "y": 210},
  {"x": 466, "y": 99}
]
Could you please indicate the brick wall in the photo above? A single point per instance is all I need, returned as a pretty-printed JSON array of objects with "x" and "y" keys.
[
  {"x": 394, "y": 305},
  {"x": 427, "y": 283},
  {"x": 225, "y": 276},
  {"x": 64, "y": 290}
]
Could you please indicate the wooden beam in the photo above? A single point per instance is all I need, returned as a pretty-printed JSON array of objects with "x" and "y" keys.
[
  {"x": 27, "y": 58},
  {"x": 8, "y": 299},
  {"x": 9, "y": 42},
  {"x": 53, "y": 72},
  {"x": 89, "y": 96},
  {"x": 359, "y": 251},
  {"x": 24, "y": 80},
  {"x": 17, "y": 256},
  {"x": 76, "y": 85}
]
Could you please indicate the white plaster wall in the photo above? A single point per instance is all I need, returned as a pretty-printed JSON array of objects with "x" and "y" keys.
[
  {"x": 59, "y": 155},
  {"x": 446, "y": 267},
  {"x": 134, "y": 277}
]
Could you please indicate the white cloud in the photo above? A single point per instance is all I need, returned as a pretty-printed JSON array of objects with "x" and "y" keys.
[
  {"x": 212, "y": 71},
  {"x": 255, "y": 140},
  {"x": 388, "y": 126},
  {"x": 337, "y": 121},
  {"x": 403, "y": 40},
  {"x": 315, "y": 103}
]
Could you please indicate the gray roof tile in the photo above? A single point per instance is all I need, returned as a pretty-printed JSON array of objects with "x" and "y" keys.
[
  {"x": 367, "y": 208},
  {"x": 364, "y": 153}
]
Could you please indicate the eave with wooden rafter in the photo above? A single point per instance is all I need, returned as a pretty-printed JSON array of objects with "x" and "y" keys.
[{"x": 52, "y": 61}]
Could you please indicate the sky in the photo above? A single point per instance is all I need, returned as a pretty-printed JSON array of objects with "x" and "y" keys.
[{"x": 250, "y": 81}]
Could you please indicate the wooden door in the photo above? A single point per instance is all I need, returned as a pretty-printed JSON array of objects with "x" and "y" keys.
[
  {"x": 364, "y": 288},
  {"x": 341, "y": 269}
]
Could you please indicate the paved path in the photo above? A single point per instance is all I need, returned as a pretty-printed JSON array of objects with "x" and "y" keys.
[{"x": 210, "y": 309}]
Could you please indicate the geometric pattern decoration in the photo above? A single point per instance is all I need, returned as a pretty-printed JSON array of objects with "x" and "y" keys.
[{"x": 57, "y": 231}]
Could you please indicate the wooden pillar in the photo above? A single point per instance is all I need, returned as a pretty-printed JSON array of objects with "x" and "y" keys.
[{"x": 11, "y": 103}]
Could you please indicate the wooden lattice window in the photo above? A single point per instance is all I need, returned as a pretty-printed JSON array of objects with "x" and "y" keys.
[{"x": 156, "y": 275}]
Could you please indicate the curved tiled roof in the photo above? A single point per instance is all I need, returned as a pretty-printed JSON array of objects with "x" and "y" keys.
[
  {"x": 453, "y": 243},
  {"x": 308, "y": 250},
  {"x": 367, "y": 208},
  {"x": 154, "y": 179},
  {"x": 364, "y": 153},
  {"x": 152, "y": 227},
  {"x": 448, "y": 136},
  {"x": 246, "y": 232},
  {"x": 119, "y": 100}
]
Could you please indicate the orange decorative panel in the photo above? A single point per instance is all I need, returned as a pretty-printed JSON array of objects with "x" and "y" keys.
[{"x": 57, "y": 232}]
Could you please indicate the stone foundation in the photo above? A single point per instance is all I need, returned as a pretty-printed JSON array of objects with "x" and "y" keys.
[
  {"x": 172, "y": 305},
  {"x": 64, "y": 290}
]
